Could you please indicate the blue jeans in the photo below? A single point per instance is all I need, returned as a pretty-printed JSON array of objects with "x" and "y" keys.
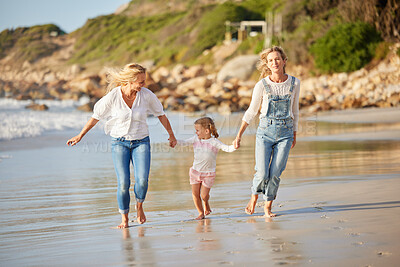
[
  {"x": 274, "y": 139},
  {"x": 123, "y": 152}
]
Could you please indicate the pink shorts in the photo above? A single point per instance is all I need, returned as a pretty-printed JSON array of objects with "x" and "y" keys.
[{"x": 206, "y": 178}]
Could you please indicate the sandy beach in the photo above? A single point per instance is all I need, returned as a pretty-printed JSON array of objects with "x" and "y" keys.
[{"x": 338, "y": 204}]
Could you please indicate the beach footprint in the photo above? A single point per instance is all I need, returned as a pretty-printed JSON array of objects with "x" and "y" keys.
[
  {"x": 358, "y": 244},
  {"x": 383, "y": 253}
]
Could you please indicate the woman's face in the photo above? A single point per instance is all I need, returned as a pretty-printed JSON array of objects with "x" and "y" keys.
[
  {"x": 139, "y": 83},
  {"x": 275, "y": 62}
]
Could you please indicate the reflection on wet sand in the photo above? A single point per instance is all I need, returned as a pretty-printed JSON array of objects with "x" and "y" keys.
[
  {"x": 136, "y": 251},
  {"x": 207, "y": 239}
]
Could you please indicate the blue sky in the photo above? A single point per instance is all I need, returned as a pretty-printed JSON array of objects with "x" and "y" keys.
[{"x": 69, "y": 15}]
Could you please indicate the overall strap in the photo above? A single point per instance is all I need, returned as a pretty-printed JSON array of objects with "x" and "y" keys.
[
  {"x": 266, "y": 86},
  {"x": 292, "y": 84}
]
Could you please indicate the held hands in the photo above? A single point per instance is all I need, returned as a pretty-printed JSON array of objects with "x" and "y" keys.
[
  {"x": 236, "y": 142},
  {"x": 294, "y": 140},
  {"x": 74, "y": 140},
  {"x": 172, "y": 141}
]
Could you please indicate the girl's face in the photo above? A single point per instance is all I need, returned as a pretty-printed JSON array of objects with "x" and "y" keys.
[
  {"x": 139, "y": 83},
  {"x": 202, "y": 132},
  {"x": 275, "y": 62}
]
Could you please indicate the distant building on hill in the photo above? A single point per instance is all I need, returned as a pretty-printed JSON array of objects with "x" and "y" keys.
[{"x": 238, "y": 31}]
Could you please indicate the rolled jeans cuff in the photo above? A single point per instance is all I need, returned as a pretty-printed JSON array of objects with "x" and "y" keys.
[
  {"x": 266, "y": 198},
  {"x": 123, "y": 211},
  {"x": 254, "y": 191},
  {"x": 139, "y": 200}
]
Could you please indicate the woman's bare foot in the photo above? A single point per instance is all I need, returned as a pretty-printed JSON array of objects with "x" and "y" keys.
[
  {"x": 141, "y": 218},
  {"x": 251, "y": 205},
  {"x": 200, "y": 217},
  {"x": 125, "y": 221},
  {"x": 267, "y": 210}
]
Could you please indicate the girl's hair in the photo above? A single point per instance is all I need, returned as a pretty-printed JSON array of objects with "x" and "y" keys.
[
  {"x": 262, "y": 63},
  {"x": 207, "y": 123},
  {"x": 123, "y": 76}
]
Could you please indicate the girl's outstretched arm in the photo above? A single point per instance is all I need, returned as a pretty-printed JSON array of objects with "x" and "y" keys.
[
  {"x": 236, "y": 142},
  {"x": 89, "y": 125},
  {"x": 226, "y": 148},
  {"x": 165, "y": 122}
]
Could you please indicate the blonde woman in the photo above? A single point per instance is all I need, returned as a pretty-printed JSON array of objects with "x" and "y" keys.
[
  {"x": 278, "y": 95},
  {"x": 125, "y": 108}
]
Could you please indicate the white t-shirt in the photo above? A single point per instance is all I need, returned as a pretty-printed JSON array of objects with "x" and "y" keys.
[
  {"x": 123, "y": 121},
  {"x": 260, "y": 97},
  {"x": 205, "y": 152}
]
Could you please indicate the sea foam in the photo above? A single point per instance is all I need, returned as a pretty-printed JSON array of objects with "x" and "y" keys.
[{"x": 18, "y": 122}]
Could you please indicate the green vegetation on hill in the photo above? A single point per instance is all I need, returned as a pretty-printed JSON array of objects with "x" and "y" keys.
[
  {"x": 166, "y": 38},
  {"x": 181, "y": 30},
  {"x": 212, "y": 25},
  {"x": 118, "y": 38},
  {"x": 29, "y": 43},
  {"x": 346, "y": 47}
]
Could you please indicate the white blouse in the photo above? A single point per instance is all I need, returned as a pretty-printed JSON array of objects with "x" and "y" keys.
[
  {"x": 122, "y": 121},
  {"x": 205, "y": 152},
  {"x": 260, "y": 97}
]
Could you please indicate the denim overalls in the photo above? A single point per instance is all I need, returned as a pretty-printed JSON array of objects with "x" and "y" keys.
[{"x": 274, "y": 139}]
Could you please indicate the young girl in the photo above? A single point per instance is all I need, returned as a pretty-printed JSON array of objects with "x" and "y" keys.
[{"x": 202, "y": 173}]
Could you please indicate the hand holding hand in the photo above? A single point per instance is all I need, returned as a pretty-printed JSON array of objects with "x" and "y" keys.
[
  {"x": 172, "y": 141},
  {"x": 236, "y": 142},
  {"x": 294, "y": 140}
]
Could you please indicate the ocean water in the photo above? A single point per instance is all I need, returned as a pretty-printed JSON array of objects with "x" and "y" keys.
[{"x": 58, "y": 204}]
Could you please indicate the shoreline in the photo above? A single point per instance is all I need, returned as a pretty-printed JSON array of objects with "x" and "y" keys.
[{"x": 364, "y": 115}]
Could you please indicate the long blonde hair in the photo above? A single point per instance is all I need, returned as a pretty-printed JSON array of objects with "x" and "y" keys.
[
  {"x": 123, "y": 76},
  {"x": 262, "y": 63},
  {"x": 207, "y": 123}
]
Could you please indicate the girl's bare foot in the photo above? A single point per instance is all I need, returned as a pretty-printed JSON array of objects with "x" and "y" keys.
[
  {"x": 267, "y": 210},
  {"x": 141, "y": 218},
  {"x": 200, "y": 217},
  {"x": 251, "y": 205},
  {"x": 207, "y": 209},
  {"x": 125, "y": 221}
]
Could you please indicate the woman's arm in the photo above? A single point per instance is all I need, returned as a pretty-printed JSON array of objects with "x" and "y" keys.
[
  {"x": 89, "y": 125},
  {"x": 236, "y": 142},
  {"x": 295, "y": 109},
  {"x": 165, "y": 122}
]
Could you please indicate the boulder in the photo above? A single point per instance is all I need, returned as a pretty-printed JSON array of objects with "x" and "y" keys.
[
  {"x": 193, "y": 100},
  {"x": 192, "y": 84},
  {"x": 152, "y": 84},
  {"x": 85, "y": 84},
  {"x": 161, "y": 74},
  {"x": 193, "y": 72},
  {"x": 240, "y": 67},
  {"x": 37, "y": 107},
  {"x": 88, "y": 107}
]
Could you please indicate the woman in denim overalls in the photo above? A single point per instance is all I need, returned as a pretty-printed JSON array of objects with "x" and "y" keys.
[{"x": 278, "y": 95}]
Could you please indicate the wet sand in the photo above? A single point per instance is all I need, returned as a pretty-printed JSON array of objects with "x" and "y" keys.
[{"x": 338, "y": 205}]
